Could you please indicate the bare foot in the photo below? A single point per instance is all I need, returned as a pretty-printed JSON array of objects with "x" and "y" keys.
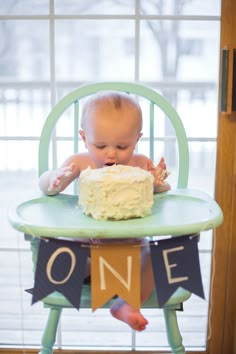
[{"x": 128, "y": 314}]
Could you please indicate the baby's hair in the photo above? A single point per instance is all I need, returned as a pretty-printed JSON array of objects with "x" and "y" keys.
[{"x": 112, "y": 98}]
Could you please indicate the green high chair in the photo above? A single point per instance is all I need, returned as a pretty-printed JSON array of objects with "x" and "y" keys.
[{"x": 155, "y": 103}]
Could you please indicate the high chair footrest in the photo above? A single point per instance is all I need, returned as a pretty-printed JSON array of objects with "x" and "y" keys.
[{"x": 57, "y": 299}]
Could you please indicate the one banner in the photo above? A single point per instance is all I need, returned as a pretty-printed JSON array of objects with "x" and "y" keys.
[
  {"x": 176, "y": 264},
  {"x": 115, "y": 270},
  {"x": 60, "y": 267}
]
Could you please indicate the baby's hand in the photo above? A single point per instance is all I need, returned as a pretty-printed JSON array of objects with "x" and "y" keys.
[
  {"x": 60, "y": 178},
  {"x": 161, "y": 173}
]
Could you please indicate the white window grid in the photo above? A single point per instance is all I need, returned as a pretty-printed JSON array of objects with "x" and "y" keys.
[{"x": 137, "y": 17}]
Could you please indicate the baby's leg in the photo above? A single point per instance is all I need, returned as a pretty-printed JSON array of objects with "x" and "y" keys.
[
  {"x": 127, "y": 313},
  {"x": 87, "y": 272}
]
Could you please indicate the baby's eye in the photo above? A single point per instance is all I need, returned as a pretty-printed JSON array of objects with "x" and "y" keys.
[
  {"x": 120, "y": 147},
  {"x": 100, "y": 146}
]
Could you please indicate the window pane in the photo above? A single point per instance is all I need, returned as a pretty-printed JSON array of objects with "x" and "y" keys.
[
  {"x": 24, "y": 7},
  {"x": 202, "y": 166},
  {"x": 16, "y": 185},
  {"x": 177, "y": 7},
  {"x": 184, "y": 51},
  {"x": 21, "y": 324},
  {"x": 94, "y": 7},
  {"x": 105, "y": 51},
  {"x": 23, "y": 110},
  {"x": 198, "y": 109},
  {"x": 98, "y": 328},
  {"x": 19, "y": 155},
  {"x": 24, "y": 56}
]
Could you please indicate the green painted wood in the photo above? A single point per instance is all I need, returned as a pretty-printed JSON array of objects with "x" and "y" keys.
[
  {"x": 50, "y": 331},
  {"x": 41, "y": 216},
  {"x": 176, "y": 212},
  {"x": 151, "y": 130},
  {"x": 173, "y": 332},
  {"x": 133, "y": 88}
]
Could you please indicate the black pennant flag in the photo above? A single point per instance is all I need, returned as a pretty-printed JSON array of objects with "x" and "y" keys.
[
  {"x": 176, "y": 264},
  {"x": 60, "y": 267}
]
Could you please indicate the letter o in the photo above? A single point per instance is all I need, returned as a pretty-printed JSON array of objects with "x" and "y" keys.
[{"x": 52, "y": 259}]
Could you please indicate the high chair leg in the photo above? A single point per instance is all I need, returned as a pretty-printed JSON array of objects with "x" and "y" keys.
[
  {"x": 173, "y": 333},
  {"x": 49, "y": 335}
]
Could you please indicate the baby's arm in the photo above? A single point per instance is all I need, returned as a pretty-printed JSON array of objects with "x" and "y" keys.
[
  {"x": 55, "y": 181},
  {"x": 160, "y": 174}
]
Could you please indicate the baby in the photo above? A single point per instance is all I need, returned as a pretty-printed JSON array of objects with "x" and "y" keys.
[{"x": 111, "y": 125}]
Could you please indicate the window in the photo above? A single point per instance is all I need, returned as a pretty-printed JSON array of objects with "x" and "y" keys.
[
  {"x": 192, "y": 47},
  {"x": 47, "y": 48}
]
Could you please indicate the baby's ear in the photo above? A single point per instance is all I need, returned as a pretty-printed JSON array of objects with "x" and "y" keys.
[
  {"x": 82, "y": 134},
  {"x": 139, "y": 136}
]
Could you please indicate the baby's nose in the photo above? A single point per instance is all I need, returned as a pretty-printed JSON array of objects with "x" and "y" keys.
[{"x": 111, "y": 152}]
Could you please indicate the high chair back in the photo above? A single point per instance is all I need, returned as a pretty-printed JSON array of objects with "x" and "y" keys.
[{"x": 154, "y": 106}]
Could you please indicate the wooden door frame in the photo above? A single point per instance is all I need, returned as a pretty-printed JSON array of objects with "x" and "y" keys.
[{"x": 223, "y": 290}]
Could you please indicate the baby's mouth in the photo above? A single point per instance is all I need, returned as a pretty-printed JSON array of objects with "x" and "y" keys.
[{"x": 110, "y": 164}]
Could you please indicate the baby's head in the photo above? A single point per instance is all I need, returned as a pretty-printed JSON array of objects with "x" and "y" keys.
[
  {"x": 111, "y": 101},
  {"x": 111, "y": 125}
]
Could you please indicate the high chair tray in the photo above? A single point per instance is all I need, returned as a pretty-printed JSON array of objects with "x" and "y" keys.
[{"x": 176, "y": 212}]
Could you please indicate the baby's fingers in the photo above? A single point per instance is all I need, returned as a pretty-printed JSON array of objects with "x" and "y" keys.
[
  {"x": 54, "y": 186},
  {"x": 161, "y": 164}
]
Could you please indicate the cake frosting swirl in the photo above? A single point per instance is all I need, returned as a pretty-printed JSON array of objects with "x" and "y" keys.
[{"x": 116, "y": 192}]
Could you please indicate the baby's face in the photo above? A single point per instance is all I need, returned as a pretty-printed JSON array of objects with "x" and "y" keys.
[{"x": 111, "y": 135}]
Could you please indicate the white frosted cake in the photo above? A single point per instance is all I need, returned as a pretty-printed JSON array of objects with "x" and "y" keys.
[{"x": 116, "y": 192}]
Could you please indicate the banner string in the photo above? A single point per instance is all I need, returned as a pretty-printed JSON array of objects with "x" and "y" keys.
[
  {"x": 104, "y": 244},
  {"x": 96, "y": 243}
]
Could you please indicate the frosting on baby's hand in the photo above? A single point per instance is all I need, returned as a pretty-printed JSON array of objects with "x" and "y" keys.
[
  {"x": 67, "y": 174},
  {"x": 60, "y": 178},
  {"x": 161, "y": 173}
]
